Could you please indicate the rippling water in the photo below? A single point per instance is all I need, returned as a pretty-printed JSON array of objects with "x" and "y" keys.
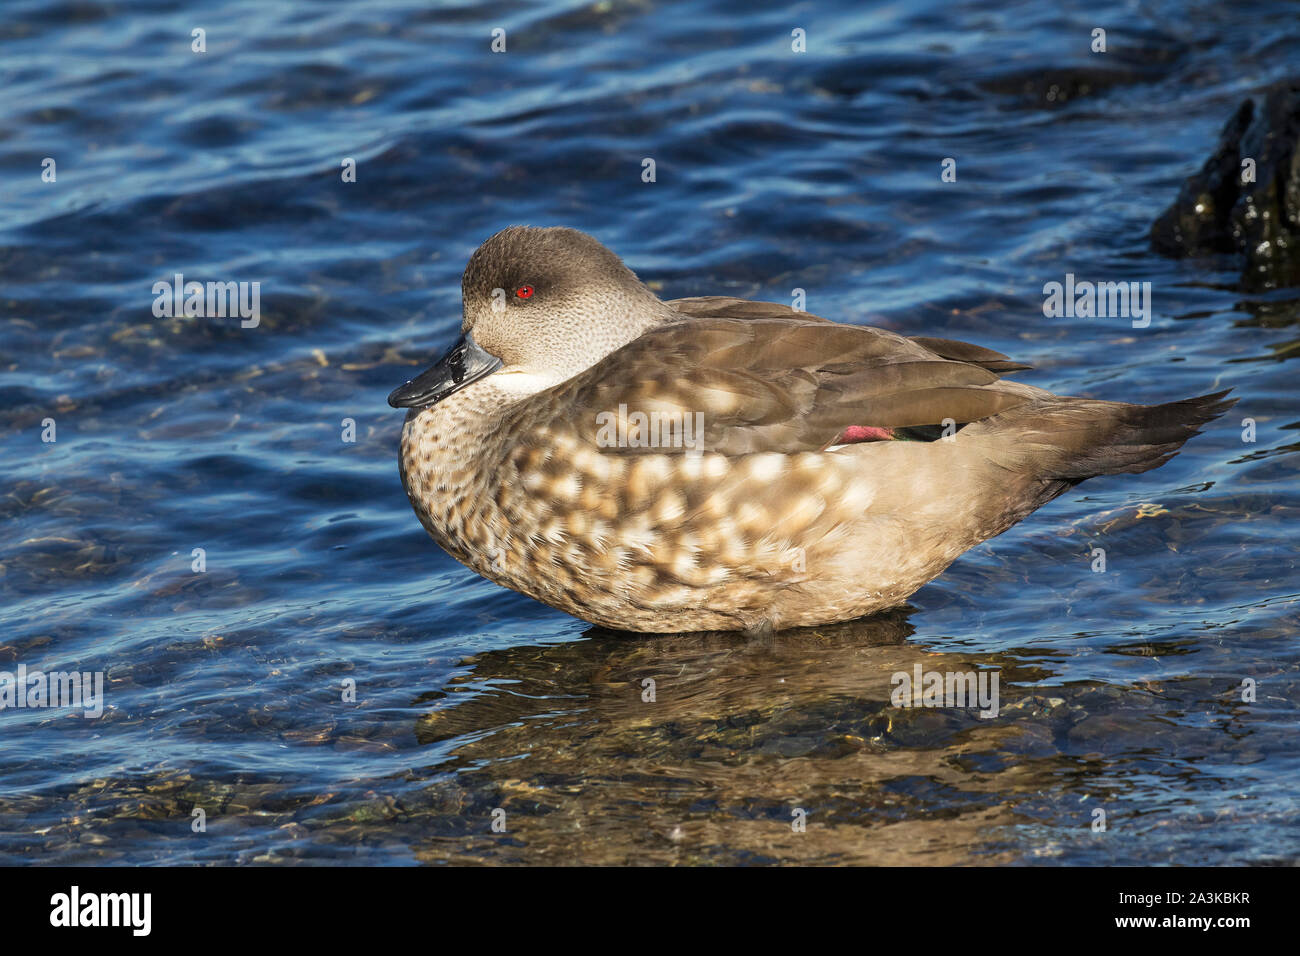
[{"x": 775, "y": 170}]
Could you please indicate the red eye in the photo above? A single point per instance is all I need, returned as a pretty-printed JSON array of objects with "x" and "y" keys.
[{"x": 524, "y": 291}]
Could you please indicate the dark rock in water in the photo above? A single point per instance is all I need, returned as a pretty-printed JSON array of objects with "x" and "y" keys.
[{"x": 1229, "y": 208}]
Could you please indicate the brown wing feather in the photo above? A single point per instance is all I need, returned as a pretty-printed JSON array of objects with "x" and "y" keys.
[
  {"x": 770, "y": 384},
  {"x": 724, "y": 306},
  {"x": 975, "y": 354}
]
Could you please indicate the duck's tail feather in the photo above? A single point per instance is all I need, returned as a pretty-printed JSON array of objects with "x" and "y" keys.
[{"x": 1077, "y": 439}]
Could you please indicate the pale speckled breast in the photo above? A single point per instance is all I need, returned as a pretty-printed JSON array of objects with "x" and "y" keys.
[{"x": 616, "y": 538}]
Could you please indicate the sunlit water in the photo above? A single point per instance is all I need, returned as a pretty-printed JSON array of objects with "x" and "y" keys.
[{"x": 1121, "y": 690}]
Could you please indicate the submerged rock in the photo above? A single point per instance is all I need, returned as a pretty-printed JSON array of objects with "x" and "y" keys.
[{"x": 1246, "y": 198}]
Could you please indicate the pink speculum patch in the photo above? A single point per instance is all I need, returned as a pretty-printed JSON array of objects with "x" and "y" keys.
[{"x": 857, "y": 433}]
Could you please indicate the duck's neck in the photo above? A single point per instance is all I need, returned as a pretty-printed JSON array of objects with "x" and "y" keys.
[{"x": 619, "y": 318}]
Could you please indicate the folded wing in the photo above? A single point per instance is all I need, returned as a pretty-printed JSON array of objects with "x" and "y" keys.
[{"x": 771, "y": 379}]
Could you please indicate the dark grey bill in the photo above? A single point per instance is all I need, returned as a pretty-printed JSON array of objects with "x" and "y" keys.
[{"x": 464, "y": 362}]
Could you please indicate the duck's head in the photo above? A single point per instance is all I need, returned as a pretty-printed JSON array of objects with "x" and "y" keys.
[{"x": 540, "y": 306}]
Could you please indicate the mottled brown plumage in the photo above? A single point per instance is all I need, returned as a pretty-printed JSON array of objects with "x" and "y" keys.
[{"x": 677, "y": 466}]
